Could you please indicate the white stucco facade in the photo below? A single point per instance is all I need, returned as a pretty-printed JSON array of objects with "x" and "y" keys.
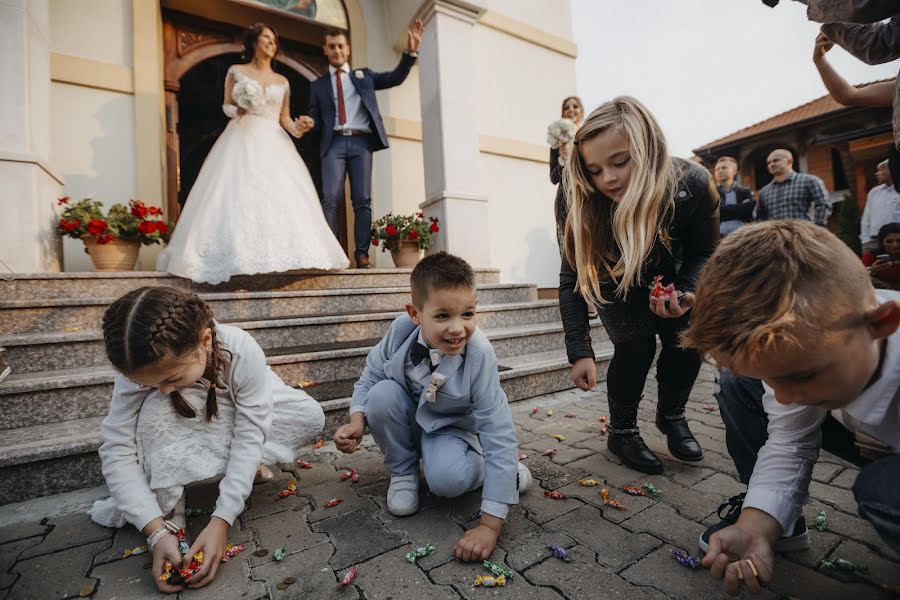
[{"x": 466, "y": 129}]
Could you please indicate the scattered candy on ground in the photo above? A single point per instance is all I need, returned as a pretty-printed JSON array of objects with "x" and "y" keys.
[
  {"x": 821, "y": 521},
  {"x": 419, "y": 552},
  {"x": 633, "y": 491},
  {"x": 279, "y": 553},
  {"x": 651, "y": 489},
  {"x": 489, "y": 581},
  {"x": 549, "y": 412},
  {"x": 555, "y": 495},
  {"x": 303, "y": 464},
  {"x": 319, "y": 444},
  {"x": 610, "y": 502},
  {"x": 558, "y": 551},
  {"x": 349, "y": 577},
  {"x": 602, "y": 419},
  {"x": 549, "y": 452},
  {"x": 350, "y": 475},
  {"x": 290, "y": 491},
  {"x": 570, "y": 415},
  {"x": 142, "y": 549},
  {"x": 588, "y": 482},
  {"x": 686, "y": 559},
  {"x": 558, "y": 437},
  {"x": 333, "y": 502},
  {"x": 497, "y": 569},
  {"x": 231, "y": 551},
  {"x": 523, "y": 456},
  {"x": 535, "y": 410},
  {"x": 603, "y": 430}
]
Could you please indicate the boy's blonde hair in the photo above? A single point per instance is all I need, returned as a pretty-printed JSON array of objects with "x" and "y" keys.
[
  {"x": 611, "y": 241},
  {"x": 765, "y": 281}
]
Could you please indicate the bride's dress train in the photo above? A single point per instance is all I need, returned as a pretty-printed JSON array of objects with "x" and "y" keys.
[{"x": 253, "y": 208}]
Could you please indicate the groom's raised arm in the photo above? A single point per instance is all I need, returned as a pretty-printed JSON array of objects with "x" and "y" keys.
[{"x": 389, "y": 79}]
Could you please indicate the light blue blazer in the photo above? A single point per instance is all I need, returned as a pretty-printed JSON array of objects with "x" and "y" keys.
[{"x": 470, "y": 404}]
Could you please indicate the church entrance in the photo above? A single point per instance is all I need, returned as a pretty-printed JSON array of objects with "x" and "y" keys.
[{"x": 198, "y": 53}]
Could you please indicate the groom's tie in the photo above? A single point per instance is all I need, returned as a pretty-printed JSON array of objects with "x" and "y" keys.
[{"x": 342, "y": 110}]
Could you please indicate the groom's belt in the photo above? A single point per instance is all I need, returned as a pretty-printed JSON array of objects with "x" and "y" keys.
[{"x": 347, "y": 132}]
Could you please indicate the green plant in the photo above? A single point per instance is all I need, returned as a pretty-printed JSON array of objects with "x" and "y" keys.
[
  {"x": 848, "y": 218},
  {"x": 390, "y": 230},
  {"x": 135, "y": 222}
]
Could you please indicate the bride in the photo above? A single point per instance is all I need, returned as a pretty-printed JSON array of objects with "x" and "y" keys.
[{"x": 253, "y": 208}]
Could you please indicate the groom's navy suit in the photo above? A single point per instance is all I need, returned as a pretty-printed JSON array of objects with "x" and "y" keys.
[{"x": 347, "y": 149}]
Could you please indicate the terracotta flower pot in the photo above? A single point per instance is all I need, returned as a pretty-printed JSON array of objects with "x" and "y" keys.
[
  {"x": 117, "y": 255},
  {"x": 408, "y": 255}
]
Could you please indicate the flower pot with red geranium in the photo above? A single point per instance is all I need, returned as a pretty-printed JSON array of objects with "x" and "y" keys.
[
  {"x": 405, "y": 236},
  {"x": 114, "y": 239}
]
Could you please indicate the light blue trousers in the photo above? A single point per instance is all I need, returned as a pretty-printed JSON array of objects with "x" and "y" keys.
[{"x": 451, "y": 466}]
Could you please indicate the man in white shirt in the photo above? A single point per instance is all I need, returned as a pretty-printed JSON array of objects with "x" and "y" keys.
[
  {"x": 882, "y": 207},
  {"x": 826, "y": 347}
]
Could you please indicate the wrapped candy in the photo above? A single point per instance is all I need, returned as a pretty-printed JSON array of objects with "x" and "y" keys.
[
  {"x": 319, "y": 443},
  {"x": 523, "y": 456},
  {"x": 570, "y": 415},
  {"x": 821, "y": 521},
  {"x": 603, "y": 430},
  {"x": 558, "y": 551},
  {"x": 549, "y": 412},
  {"x": 535, "y": 410},
  {"x": 279, "y": 553},
  {"x": 657, "y": 290},
  {"x": 497, "y": 570},
  {"x": 588, "y": 482},
  {"x": 183, "y": 546},
  {"x": 419, "y": 552},
  {"x": 555, "y": 495},
  {"x": 355, "y": 477},
  {"x": 610, "y": 502},
  {"x": 304, "y": 464},
  {"x": 558, "y": 437},
  {"x": 633, "y": 491},
  {"x": 651, "y": 489},
  {"x": 142, "y": 549},
  {"x": 689, "y": 561},
  {"x": 549, "y": 452},
  {"x": 348, "y": 578},
  {"x": 489, "y": 581},
  {"x": 602, "y": 419},
  {"x": 231, "y": 551},
  {"x": 290, "y": 491},
  {"x": 176, "y": 576},
  {"x": 333, "y": 502},
  {"x": 349, "y": 475}
]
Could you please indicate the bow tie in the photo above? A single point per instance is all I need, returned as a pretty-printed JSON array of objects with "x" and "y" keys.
[{"x": 420, "y": 352}]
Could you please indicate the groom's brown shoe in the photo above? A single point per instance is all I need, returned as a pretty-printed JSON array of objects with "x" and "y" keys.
[{"x": 362, "y": 262}]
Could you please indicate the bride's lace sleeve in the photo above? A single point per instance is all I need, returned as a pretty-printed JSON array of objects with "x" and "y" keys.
[{"x": 228, "y": 106}]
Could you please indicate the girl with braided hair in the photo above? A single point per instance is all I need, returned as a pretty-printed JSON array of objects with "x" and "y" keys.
[{"x": 194, "y": 400}]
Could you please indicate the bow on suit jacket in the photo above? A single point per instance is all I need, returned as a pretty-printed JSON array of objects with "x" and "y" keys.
[
  {"x": 322, "y": 106},
  {"x": 470, "y": 404}
]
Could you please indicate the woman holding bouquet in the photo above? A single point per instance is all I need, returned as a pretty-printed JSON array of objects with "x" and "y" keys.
[
  {"x": 253, "y": 208},
  {"x": 635, "y": 213}
]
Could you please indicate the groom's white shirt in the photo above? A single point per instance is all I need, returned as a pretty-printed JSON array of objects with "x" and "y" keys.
[{"x": 356, "y": 116}]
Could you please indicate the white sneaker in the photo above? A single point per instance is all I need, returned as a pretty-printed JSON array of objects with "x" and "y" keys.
[
  {"x": 523, "y": 479},
  {"x": 403, "y": 495}
]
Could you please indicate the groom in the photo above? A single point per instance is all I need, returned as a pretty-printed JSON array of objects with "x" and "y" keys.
[{"x": 345, "y": 111}]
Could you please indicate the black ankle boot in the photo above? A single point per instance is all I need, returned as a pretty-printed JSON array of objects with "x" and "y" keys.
[
  {"x": 630, "y": 447},
  {"x": 682, "y": 443}
]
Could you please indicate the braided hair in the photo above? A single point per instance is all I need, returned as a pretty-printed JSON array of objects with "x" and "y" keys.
[{"x": 148, "y": 324}]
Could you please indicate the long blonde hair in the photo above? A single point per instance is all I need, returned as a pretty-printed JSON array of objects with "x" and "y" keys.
[{"x": 611, "y": 240}]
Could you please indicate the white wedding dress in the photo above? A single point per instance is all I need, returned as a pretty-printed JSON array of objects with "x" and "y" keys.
[{"x": 253, "y": 208}]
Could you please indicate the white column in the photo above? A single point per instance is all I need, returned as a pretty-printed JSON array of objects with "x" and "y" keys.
[
  {"x": 28, "y": 187},
  {"x": 453, "y": 189}
]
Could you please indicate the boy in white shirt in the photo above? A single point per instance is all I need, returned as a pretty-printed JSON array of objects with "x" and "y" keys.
[{"x": 788, "y": 303}]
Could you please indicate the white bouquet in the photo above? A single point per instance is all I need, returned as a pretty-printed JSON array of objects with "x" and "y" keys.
[
  {"x": 249, "y": 95},
  {"x": 559, "y": 132}
]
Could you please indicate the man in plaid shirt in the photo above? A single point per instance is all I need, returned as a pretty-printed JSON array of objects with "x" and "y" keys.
[{"x": 790, "y": 194}]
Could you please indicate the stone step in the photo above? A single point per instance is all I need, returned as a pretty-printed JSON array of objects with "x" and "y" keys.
[
  {"x": 52, "y": 458},
  {"x": 49, "y": 396},
  {"x": 25, "y": 286},
  {"x": 32, "y": 352},
  {"x": 46, "y": 315}
]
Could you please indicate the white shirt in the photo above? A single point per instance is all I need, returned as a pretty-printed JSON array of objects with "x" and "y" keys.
[
  {"x": 882, "y": 207},
  {"x": 780, "y": 482},
  {"x": 356, "y": 113}
]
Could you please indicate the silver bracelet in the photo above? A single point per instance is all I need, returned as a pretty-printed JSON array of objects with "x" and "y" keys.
[{"x": 157, "y": 535}]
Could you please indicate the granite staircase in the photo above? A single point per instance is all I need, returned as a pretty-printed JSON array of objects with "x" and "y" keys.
[{"x": 315, "y": 328}]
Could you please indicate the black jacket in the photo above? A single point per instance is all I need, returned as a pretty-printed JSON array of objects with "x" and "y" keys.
[
  {"x": 694, "y": 233},
  {"x": 742, "y": 211},
  {"x": 560, "y": 208}
]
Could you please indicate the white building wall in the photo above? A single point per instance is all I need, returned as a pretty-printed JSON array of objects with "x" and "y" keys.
[{"x": 94, "y": 29}]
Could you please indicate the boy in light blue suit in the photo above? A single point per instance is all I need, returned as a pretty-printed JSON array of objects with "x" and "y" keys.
[{"x": 431, "y": 389}]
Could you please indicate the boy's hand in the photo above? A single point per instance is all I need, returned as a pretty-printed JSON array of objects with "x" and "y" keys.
[
  {"x": 348, "y": 437},
  {"x": 479, "y": 542},
  {"x": 731, "y": 548},
  {"x": 212, "y": 542}
]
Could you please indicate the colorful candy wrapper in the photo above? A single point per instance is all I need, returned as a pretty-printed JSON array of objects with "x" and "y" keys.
[
  {"x": 355, "y": 477},
  {"x": 290, "y": 491},
  {"x": 549, "y": 412},
  {"x": 603, "y": 430},
  {"x": 633, "y": 491},
  {"x": 279, "y": 553},
  {"x": 176, "y": 576},
  {"x": 687, "y": 560},
  {"x": 142, "y": 549},
  {"x": 570, "y": 415},
  {"x": 419, "y": 552},
  {"x": 602, "y": 419},
  {"x": 183, "y": 546},
  {"x": 558, "y": 437},
  {"x": 651, "y": 489},
  {"x": 535, "y": 410},
  {"x": 588, "y": 482},
  {"x": 497, "y": 570},
  {"x": 549, "y": 452},
  {"x": 610, "y": 502},
  {"x": 555, "y": 495},
  {"x": 231, "y": 551},
  {"x": 523, "y": 456},
  {"x": 558, "y": 552},
  {"x": 821, "y": 521},
  {"x": 839, "y": 564},
  {"x": 319, "y": 444},
  {"x": 348, "y": 578},
  {"x": 489, "y": 581},
  {"x": 349, "y": 475},
  {"x": 304, "y": 464},
  {"x": 333, "y": 502}
]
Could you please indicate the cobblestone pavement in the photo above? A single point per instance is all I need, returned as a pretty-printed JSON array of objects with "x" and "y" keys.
[{"x": 617, "y": 554}]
